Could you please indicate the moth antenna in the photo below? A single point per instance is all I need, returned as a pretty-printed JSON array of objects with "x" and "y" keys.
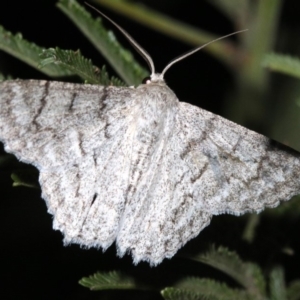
[
  {"x": 183, "y": 56},
  {"x": 132, "y": 41}
]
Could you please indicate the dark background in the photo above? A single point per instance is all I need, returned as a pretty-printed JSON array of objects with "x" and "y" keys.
[{"x": 34, "y": 262}]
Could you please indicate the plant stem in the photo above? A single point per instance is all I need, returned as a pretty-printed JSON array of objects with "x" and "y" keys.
[{"x": 225, "y": 50}]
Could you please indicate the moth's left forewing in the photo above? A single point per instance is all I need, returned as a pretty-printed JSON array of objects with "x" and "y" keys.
[{"x": 76, "y": 135}]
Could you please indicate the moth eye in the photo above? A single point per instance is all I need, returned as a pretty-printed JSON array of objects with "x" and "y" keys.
[{"x": 146, "y": 80}]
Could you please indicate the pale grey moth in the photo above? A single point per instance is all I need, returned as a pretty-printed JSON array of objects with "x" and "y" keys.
[{"x": 136, "y": 166}]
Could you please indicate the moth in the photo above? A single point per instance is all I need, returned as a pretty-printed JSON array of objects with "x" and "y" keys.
[{"x": 136, "y": 166}]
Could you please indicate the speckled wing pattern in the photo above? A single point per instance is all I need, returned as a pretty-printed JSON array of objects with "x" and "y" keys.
[{"x": 136, "y": 166}]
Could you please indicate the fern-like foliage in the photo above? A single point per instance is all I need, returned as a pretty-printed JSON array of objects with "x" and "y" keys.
[
  {"x": 105, "y": 41},
  {"x": 108, "y": 281},
  {"x": 179, "y": 294},
  {"x": 28, "y": 52},
  {"x": 247, "y": 275},
  {"x": 77, "y": 64},
  {"x": 211, "y": 288},
  {"x": 59, "y": 63},
  {"x": 283, "y": 63}
]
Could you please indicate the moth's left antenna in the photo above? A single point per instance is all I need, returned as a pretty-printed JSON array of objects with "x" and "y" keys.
[{"x": 133, "y": 42}]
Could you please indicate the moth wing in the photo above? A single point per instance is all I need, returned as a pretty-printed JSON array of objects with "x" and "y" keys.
[{"x": 74, "y": 134}]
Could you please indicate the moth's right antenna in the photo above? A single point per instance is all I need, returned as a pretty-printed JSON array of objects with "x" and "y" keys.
[
  {"x": 183, "y": 56},
  {"x": 133, "y": 42}
]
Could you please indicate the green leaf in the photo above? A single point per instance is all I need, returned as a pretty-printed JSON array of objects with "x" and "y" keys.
[
  {"x": 283, "y": 63},
  {"x": 289, "y": 209},
  {"x": 208, "y": 287},
  {"x": 250, "y": 228},
  {"x": 293, "y": 290},
  {"x": 105, "y": 41},
  {"x": 256, "y": 283},
  {"x": 77, "y": 64},
  {"x": 3, "y": 77},
  {"x": 277, "y": 285},
  {"x": 27, "y": 178},
  {"x": 247, "y": 274},
  {"x": 232, "y": 8},
  {"x": 28, "y": 52},
  {"x": 108, "y": 281},
  {"x": 170, "y": 293}
]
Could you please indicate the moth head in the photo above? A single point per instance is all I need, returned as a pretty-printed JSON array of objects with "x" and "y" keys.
[{"x": 155, "y": 78}]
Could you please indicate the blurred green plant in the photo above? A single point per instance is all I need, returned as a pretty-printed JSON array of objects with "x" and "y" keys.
[
  {"x": 105, "y": 41},
  {"x": 59, "y": 63},
  {"x": 284, "y": 64},
  {"x": 249, "y": 279}
]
